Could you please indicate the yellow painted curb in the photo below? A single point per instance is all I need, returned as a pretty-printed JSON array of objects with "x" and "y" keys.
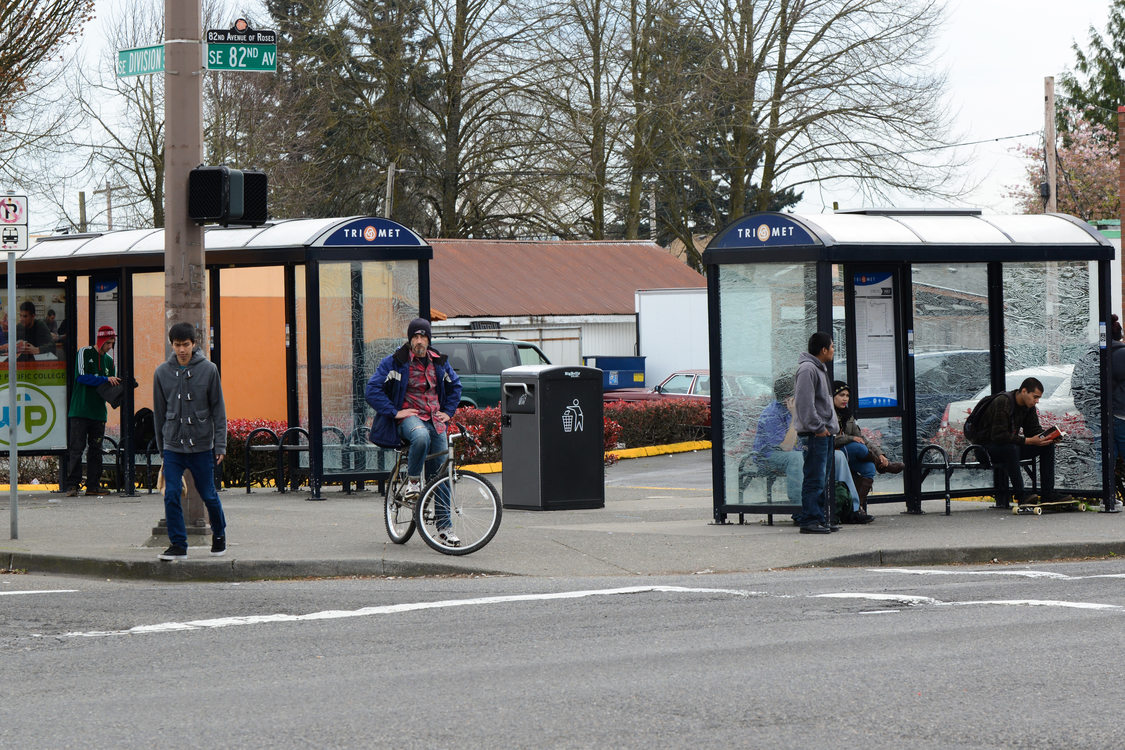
[
  {"x": 650, "y": 450},
  {"x": 29, "y": 487}
]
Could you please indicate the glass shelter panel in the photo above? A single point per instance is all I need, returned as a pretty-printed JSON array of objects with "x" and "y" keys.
[
  {"x": 767, "y": 313},
  {"x": 1051, "y": 333},
  {"x": 364, "y": 310},
  {"x": 951, "y": 357}
]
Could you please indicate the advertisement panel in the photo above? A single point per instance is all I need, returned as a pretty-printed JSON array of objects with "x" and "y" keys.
[{"x": 41, "y": 371}]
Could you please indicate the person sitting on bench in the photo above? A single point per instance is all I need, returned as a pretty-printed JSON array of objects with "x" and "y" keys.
[
  {"x": 864, "y": 458},
  {"x": 998, "y": 427}
]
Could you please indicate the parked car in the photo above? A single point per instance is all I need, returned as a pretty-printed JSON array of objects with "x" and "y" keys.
[
  {"x": 944, "y": 377},
  {"x": 1057, "y": 399},
  {"x": 692, "y": 384},
  {"x": 478, "y": 362}
]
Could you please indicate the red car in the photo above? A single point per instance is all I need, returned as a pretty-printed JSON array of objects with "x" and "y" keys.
[{"x": 693, "y": 384}]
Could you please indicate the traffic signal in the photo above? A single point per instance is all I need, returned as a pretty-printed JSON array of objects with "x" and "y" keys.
[{"x": 227, "y": 196}]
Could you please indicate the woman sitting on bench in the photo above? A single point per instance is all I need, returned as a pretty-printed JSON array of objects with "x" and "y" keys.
[{"x": 864, "y": 458}]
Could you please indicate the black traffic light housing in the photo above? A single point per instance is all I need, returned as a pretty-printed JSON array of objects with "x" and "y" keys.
[{"x": 227, "y": 196}]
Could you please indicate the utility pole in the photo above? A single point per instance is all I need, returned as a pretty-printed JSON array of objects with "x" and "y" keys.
[
  {"x": 1121, "y": 183},
  {"x": 108, "y": 190},
  {"x": 1049, "y": 144},
  {"x": 184, "y": 289},
  {"x": 390, "y": 207},
  {"x": 82, "y": 212},
  {"x": 184, "y": 268}
]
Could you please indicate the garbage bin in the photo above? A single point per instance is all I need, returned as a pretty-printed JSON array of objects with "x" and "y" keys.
[{"x": 551, "y": 433}]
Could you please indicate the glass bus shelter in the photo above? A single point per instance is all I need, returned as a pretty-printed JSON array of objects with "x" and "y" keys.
[
  {"x": 930, "y": 311},
  {"x": 299, "y": 312}
]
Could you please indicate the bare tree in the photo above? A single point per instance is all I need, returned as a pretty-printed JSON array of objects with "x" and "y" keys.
[{"x": 30, "y": 32}]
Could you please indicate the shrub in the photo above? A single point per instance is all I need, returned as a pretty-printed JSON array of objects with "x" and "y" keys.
[{"x": 660, "y": 421}]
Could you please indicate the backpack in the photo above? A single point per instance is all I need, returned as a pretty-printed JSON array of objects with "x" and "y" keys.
[
  {"x": 144, "y": 430},
  {"x": 972, "y": 429}
]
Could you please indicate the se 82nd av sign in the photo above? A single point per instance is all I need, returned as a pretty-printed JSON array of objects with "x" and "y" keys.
[{"x": 241, "y": 48}]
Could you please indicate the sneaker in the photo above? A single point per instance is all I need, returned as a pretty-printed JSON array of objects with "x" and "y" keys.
[
  {"x": 218, "y": 545},
  {"x": 175, "y": 552},
  {"x": 413, "y": 489},
  {"x": 448, "y": 538},
  {"x": 96, "y": 492},
  {"x": 73, "y": 492},
  {"x": 816, "y": 528},
  {"x": 1031, "y": 499}
]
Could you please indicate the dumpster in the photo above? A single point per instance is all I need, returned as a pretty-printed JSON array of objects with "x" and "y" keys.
[
  {"x": 552, "y": 437},
  {"x": 617, "y": 371}
]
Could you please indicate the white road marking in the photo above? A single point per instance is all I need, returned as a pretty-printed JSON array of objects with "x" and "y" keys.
[
  {"x": 223, "y": 622},
  {"x": 45, "y": 591},
  {"x": 1011, "y": 573},
  {"x": 916, "y": 600}
]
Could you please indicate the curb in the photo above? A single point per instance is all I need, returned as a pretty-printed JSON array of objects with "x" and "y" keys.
[
  {"x": 650, "y": 450},
  {"x": 972, "y": 555},
  {"x": 209, "y": 569}
]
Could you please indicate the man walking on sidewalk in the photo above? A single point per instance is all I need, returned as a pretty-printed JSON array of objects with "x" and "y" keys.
[
  {"x": 191, "y": 434},
  {"x": 816, "y": 425},
  {"x": 88, "y": 414}
]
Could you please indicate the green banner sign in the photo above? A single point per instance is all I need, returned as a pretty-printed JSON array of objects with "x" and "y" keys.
[
  {"x": 140, "y": 61},
  {"x": 256, "y": 58}
]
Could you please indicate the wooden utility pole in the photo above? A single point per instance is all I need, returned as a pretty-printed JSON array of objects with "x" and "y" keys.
[
  {"x": 184, "y": 290},
  {"x": 1049, "y": 144},
  {"x": 184, "y": 268},
  {"x": 390, "y": 203},
  {"x": 1121, "y": 185},
  {"x": 108, "y": 190}
]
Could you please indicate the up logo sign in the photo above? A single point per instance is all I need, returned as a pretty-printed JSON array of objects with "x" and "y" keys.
[{"x": 35, "y": 414}]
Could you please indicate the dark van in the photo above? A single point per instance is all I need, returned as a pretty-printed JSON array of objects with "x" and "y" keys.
[{"x": 478, "y": 362}]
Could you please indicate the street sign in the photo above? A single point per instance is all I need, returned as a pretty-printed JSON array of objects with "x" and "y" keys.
[
  {"x": 140, "y": 61},
  {"x": 13, "y": 222},
  {"x": 240, "y": 48}
]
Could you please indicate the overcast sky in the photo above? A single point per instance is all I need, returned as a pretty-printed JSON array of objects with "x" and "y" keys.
[{"x": 997, "y": 53}]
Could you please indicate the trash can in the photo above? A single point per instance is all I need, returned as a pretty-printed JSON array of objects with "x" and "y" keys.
[
  {"x": 618, "y": 371},
  {"x": 552, "y": 437}
]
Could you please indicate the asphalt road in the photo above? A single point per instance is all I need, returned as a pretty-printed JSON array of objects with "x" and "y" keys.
[{"x": 996, "y": 657}]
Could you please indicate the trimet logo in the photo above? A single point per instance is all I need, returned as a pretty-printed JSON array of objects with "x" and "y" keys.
[
  {"x": 35, "y": 413},
  {"x": 763, "y": 232}
]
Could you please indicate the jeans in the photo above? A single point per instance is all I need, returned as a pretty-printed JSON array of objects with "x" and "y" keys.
[
  {"x": 791, "y": 464},
  {"x": 85, "y": 435},
  {"x": 424, "y": 440},
  {"x": 859, "y": 459},
  {"x": 817, "y": 450},
  {"x": 1007, "y": 457},
  {"x": 202, "y": 468},
  {"x": 1119, "y": 437}
]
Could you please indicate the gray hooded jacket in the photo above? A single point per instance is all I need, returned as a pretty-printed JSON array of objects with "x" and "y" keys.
[
  {"x": 188, "y": 408},
  {"x": 812, "y": 397}
]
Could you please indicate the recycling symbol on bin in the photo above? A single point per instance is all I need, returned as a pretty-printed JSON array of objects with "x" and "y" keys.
[{"x": 572, "y": 418}]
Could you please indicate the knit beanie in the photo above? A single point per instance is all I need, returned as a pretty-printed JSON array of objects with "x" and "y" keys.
[
  {"x": 840, "y": 385},
  {"x": 418, "y": 325},
  {"x": 105, "y": 332}
]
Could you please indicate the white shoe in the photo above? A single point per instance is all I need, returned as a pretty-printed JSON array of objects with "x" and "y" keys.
[
  {"x": 449, "y": 538},
  {"x": 413, "y": 489}
]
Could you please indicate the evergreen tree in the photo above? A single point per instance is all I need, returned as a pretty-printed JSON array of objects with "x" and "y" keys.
[{"x": 1096, "y": 87}]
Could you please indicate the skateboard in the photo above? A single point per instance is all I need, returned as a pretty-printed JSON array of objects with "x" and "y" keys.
[{"x": 1078, "y": 503}]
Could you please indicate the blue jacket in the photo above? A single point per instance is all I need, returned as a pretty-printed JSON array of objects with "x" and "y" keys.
[{"x": 386, "y": 392}]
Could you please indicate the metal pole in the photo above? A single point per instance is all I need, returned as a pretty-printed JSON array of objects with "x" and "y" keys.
[
  {"x": 390, "y": 190},
  {"x": 13, "y": 434}
]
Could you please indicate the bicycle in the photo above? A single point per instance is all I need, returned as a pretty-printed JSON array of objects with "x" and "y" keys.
[{"x": 457, "y": 511}]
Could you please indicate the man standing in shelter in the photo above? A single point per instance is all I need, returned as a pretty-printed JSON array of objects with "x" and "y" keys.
[
  {"x": 190, "y": 417},
  {"x": 414, "y": 393},
  {"x": 815, "y": 421},
  {"x": 87, "y": 414}
]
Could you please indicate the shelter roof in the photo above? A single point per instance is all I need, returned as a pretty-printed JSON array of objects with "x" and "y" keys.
[{"x": 549, "y": 277}]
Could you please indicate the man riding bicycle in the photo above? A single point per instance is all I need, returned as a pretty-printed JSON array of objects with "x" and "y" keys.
[{"x": 414, "y": 393}]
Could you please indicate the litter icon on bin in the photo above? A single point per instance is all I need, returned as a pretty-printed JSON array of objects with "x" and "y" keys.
[{"x": 572, "y": 418}]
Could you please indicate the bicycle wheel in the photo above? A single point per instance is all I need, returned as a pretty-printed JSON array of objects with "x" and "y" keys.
[
  {"x": 459, "y": 517},
  {"x": 398, "y": 515}
]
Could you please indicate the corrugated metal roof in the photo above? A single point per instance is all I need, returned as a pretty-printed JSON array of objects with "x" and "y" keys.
[{"x": 473, "y": 278}]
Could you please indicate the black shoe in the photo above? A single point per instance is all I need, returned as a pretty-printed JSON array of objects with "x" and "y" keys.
[
  {"x": 218, "y": 545},
  {"x": 833, "y": 527},
  {"x": 816, "y": 528},
  {"x": 175, "y": 552}
]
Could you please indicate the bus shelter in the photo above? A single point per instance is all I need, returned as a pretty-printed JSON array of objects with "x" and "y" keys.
[
  {"x": 299, "y": 313},
  {"x": 930, "y": 311}
]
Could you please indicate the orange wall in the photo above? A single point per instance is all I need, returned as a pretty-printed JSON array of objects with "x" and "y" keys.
[{"x": 253, "y": 357}]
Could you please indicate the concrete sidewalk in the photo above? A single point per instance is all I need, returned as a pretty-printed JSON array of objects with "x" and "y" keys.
[{"x": 657, "y": 520}]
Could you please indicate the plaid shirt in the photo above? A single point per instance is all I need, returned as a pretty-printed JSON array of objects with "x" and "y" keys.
[{"x": 421, "y": 391}]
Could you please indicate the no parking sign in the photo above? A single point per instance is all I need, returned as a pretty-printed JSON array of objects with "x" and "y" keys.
[{"x": 13, "y": 222}]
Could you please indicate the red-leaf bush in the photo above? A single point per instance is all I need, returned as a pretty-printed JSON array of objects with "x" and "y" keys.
[{"x": 660, "y": 421}]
